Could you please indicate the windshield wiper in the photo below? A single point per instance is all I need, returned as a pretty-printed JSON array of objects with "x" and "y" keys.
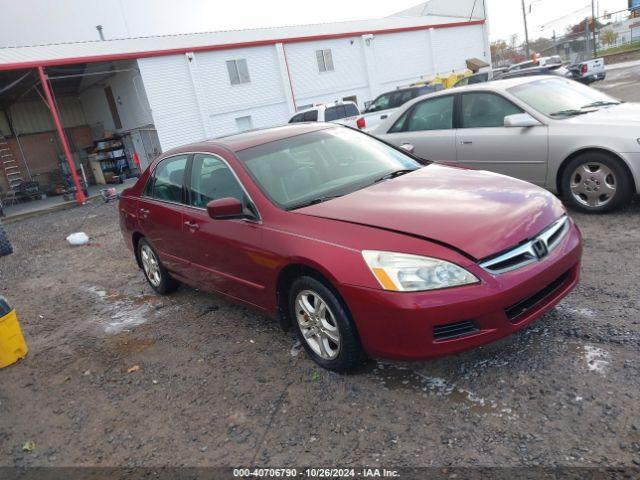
[
  {"x": 313, "y": 201},
  {"x": 394, "y": 174},
  {"x": 600, "y": 103},
  {"x": 571, "y": 112}
]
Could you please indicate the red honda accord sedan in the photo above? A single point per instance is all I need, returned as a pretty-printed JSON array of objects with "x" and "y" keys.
[{"x": 358, "y": 245}]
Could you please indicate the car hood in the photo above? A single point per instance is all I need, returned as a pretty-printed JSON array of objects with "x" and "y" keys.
[
  {"x": 625, "y": 114},
  {"x": 479, "y": 213}
]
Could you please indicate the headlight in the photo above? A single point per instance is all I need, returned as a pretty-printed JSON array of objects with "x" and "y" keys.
[{"x": 411, "y": 273}]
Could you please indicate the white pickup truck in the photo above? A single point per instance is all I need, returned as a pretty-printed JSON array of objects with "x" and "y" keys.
[
  {"x": 345, "y": 112},
  {"x": 588, "y": 71}
]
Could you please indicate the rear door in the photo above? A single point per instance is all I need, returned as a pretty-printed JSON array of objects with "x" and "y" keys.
[
  {"x": 483, "y": 142},
  {"x": 225, "y": 254},
  {"x": 429, "y": 127},
  {"x": 160, "y": 211}
]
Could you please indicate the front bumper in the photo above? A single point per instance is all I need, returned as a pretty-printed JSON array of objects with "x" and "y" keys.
[{"x": 419, "y": 325}]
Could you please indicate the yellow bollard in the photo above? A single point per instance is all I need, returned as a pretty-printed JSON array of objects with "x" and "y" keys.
[{"x": 12, "y": 344}]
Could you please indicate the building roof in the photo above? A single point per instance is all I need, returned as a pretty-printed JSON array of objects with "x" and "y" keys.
[{"x": 12, "y": 58}]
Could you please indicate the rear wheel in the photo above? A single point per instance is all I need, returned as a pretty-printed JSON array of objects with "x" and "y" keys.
[
  {"x": 156, "y": 274},
  {"x": 323, "y": 325},
  {"x": 596, "y": 183}
]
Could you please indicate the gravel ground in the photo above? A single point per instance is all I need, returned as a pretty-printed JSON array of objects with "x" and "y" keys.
[
  {"x": 118, "y": 376},
  {"x": 217, "y": 384}
]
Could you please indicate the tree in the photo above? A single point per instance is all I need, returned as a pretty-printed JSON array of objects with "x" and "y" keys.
[
  {"x": 580, "y": 26},
  {"x": 498, "y": 49},
  {"x": 608, "y": 36},
  {"x": 541, "y": 44}
]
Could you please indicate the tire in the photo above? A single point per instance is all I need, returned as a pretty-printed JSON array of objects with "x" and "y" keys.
[
  {"x": 332, "y": 338},
  {"x": 5, "y": 244},
  {"x": 596, "y": 183},
  {"x": 155, "y": 273}
]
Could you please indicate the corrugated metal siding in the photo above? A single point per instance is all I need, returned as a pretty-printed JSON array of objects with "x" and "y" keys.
[
  {"x": 33, "y": 116},
  {"x": 403, "y": 57},
  {"x": 452, "y": 46},
  {"x": 349, "y": 72},
  {"x": 175, "y": 109},
  {"x": 39, "y": 53}
]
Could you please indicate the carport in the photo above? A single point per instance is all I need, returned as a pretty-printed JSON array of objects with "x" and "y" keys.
[{"x": 65, "y": 127}]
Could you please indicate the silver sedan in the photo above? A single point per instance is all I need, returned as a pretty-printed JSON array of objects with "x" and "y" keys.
[{"x": 551, "y": 131}]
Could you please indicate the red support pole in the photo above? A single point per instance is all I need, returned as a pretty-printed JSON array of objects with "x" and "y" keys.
[{"x": 80, "y": 198}]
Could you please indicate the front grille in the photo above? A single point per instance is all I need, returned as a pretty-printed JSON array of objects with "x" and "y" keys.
[
  {"x": 454, "y": 330},
  {"x": 525, "y": 253},
  {"x": 515, "y": 311}
]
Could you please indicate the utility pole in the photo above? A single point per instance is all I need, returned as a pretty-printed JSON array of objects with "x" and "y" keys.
[
  {"x": 593, "y": 16},
  {"x": 526, "y": 30}
]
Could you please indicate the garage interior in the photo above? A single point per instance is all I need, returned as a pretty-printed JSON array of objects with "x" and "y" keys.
[{"x": 106, "y": 123}]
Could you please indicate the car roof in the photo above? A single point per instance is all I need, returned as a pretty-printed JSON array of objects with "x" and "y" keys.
[
  {"x": 325, "y": 106},
  {"x": 253, "y": 138}
]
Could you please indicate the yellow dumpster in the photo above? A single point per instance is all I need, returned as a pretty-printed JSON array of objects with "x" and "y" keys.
[{"x": 12, "y": 344}]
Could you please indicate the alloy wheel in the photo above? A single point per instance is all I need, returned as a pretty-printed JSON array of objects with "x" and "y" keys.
[
  {"x": 317, "y": 324},
  {"x": 593, "y": 184},
  {"x": 150, "y": 265}
]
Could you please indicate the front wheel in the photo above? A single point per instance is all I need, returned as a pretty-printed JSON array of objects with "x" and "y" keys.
[
  {"x": 154, "y": 271},
  {"x": 323, "y": 326},
  {"x": 596, "y": 183}
]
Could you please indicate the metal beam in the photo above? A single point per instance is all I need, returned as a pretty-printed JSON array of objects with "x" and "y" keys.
[{"x": 80, "y": 198}]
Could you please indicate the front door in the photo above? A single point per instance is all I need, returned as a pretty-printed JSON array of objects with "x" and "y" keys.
[
  {"x": 160, "y": 212},
  {"x": 483, "y": 142},
  {"x": 224, "y": 254},
  {"x": 428, "y": 126}
]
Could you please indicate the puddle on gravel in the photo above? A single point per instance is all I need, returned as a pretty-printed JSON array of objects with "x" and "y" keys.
[
  {"x": 597, "y": 359},
  {"x": 125, "y": 311},
  {"x": 398, "y": 378}
]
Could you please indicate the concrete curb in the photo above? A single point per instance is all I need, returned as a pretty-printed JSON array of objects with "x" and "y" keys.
[{"x": 36, "y": 213}]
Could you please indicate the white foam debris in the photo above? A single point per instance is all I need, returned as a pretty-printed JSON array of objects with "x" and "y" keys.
[{"x": 596, "y": 358}]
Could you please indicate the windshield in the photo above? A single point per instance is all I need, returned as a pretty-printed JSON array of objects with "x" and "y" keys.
[
  {"x": 316, "y": 166},
  {"x": 559, "y": 97}
]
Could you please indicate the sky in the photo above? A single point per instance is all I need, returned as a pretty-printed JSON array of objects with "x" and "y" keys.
[{"x": 73, "y": 20}]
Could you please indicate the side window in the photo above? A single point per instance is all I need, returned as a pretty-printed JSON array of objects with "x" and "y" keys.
[
  {"x": 400, "y": 98},
  {"x": 212, "y": 179},
  {"x": 297, "y": 118},
  {"x": 380, "y": 103},
  {"x": 485, "y": 110},
  {"x": 351, "y": 110},
  {"x": 168, "y": 179},
  {"x": 334, "y": 113},
  {"x": 433, "y": 114},
  {"x": 311, "y": 116}
]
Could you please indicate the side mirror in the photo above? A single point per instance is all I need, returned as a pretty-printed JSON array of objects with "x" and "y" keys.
[
  {"x": 522, "y": 120},
  {"x": 408, "y": 147},
  {"x": 225, "y": 209}
]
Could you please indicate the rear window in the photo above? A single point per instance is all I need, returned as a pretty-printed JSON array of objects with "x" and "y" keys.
[
  {"x": 351, "y": 110},
  {"x": 297, "y": 118},
  {"x": 334, "y": 113}
]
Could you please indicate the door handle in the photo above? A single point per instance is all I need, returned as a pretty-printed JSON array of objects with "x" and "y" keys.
[
  {"x": 191, "y": 225},
  {"x": 144, "y": 213},
  {"x": 466, "y": 142},
  {"x": 382, "y": 117}
]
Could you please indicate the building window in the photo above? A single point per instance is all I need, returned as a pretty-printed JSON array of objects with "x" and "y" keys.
[
  {"x": 325, "y": 60},
  {"x": 238, "y": 71},
  {"x": 244, "y": 123}
]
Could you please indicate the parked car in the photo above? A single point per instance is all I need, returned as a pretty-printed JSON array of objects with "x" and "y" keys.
[
  {"x": 353, "y": 242},
  {"x": 551, "y": 131},
  {"x": 553, "y": 60},
  {"x": 589, "y": 71},
  {"x": 388, "y": 102},
  {"x": 480, "y": 77},
  {"x": 556, "y": 70},
  {"x": 345, "y": 113}
]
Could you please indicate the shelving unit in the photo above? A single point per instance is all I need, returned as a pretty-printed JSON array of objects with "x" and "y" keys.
[{"x": 107, "y": 154}]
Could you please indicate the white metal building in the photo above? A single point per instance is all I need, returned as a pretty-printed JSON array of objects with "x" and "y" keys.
[{"x": 195, "y": 86}]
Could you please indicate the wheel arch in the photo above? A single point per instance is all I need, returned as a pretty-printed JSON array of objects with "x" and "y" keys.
[
  {"x": 135, "y": 241},
  {"x": 587, "y": 150},
  {"x": 294, "y": 270}
]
